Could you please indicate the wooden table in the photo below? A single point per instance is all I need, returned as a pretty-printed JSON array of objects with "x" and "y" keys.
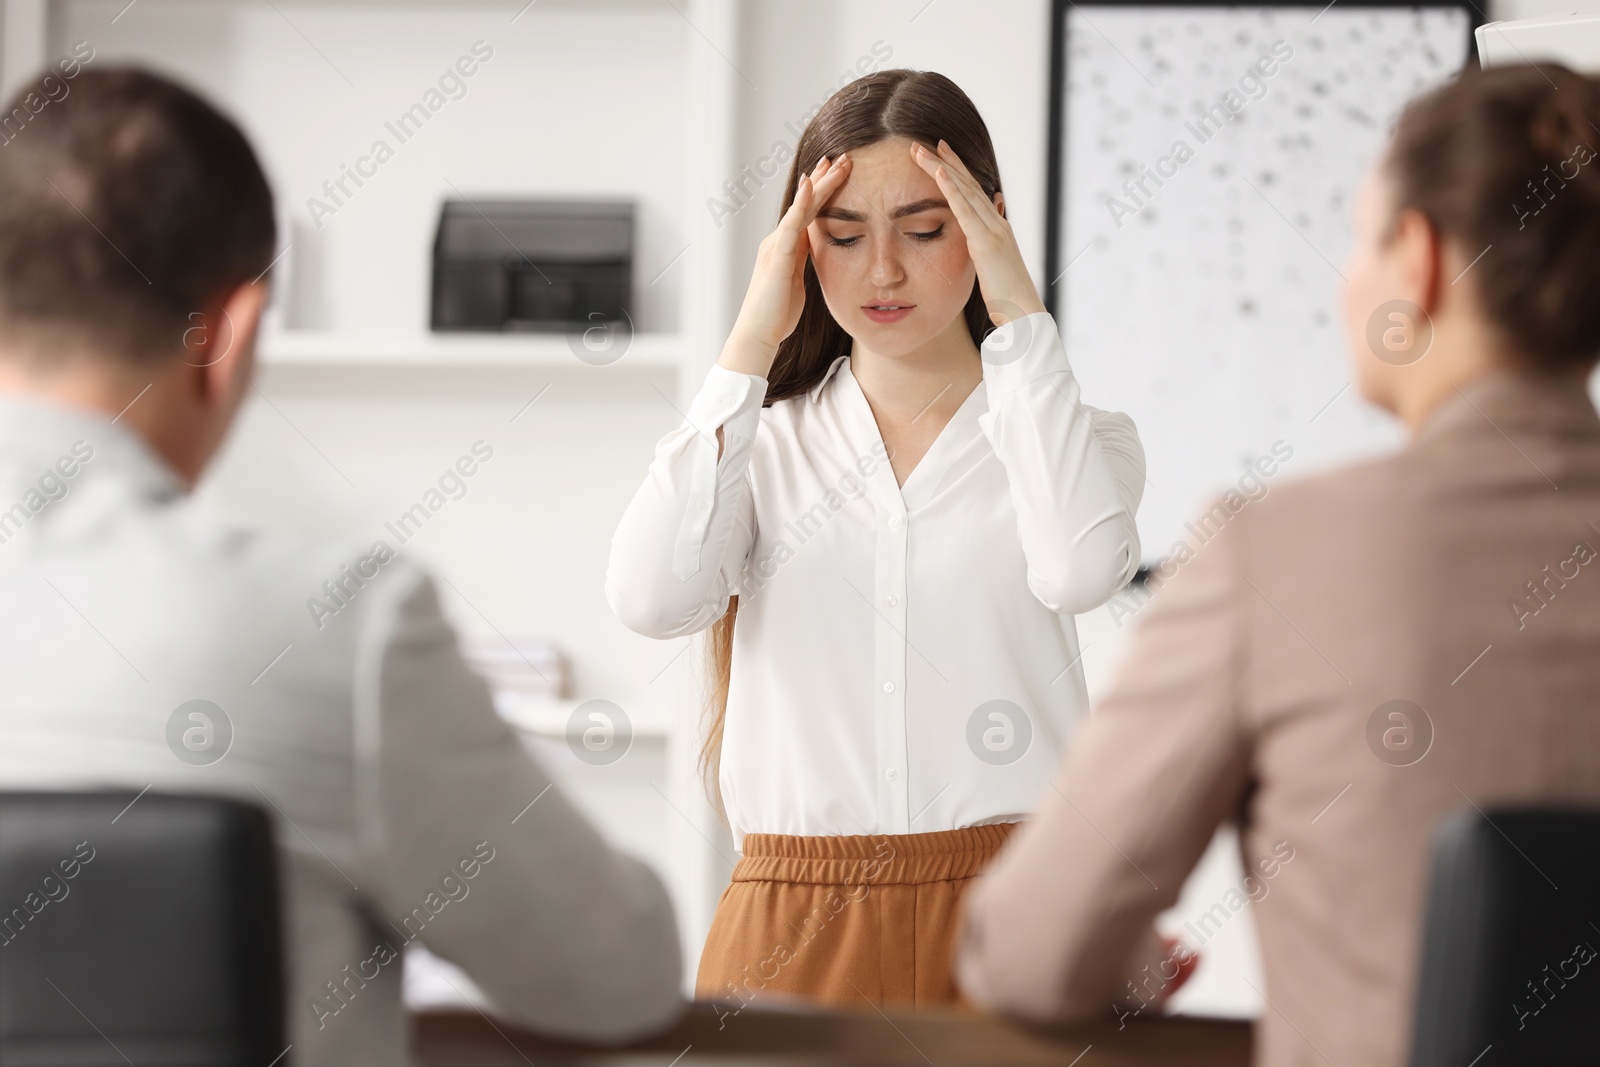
[{"x": 797, "y": 1037}]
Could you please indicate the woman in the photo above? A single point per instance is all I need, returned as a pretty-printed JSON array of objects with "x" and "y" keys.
[
  {"x": 1372, "y": 649},
  {"x": 889, "y": 480}
]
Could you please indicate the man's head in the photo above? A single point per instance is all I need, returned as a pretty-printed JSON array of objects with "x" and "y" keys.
[{"x": 135, "y": 227}]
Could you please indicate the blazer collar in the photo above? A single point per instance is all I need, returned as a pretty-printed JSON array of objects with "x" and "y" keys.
[{"x": 1503, "y": 399}]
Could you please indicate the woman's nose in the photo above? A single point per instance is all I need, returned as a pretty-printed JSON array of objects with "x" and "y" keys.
[{"x": 887, "y": 266}]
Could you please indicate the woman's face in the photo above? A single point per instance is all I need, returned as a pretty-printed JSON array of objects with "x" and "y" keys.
[{"x": 886, "y": 237}]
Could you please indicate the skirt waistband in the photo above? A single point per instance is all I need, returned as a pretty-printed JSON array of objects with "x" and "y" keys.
[{"x": 875, "y": 859}]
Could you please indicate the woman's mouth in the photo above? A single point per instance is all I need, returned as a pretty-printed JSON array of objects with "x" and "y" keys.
[{"x": 887, "y": 312}]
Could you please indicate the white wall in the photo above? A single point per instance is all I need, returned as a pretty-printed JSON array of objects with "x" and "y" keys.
[
  {"x": 998, "y": 52},
  {"x": 571, "y": 101}
]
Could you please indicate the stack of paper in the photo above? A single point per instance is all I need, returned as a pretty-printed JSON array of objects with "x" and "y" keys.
[
  {"x": 1572, "y": 40},
  {"x": 520, "y": 666}
]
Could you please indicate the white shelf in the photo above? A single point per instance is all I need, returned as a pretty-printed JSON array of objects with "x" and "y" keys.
[
  {"x": 313, "y": 348},
  {"x": 549, "y": 716}
]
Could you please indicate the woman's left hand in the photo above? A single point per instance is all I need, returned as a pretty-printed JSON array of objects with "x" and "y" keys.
[{"x": 1003, "y": 278}]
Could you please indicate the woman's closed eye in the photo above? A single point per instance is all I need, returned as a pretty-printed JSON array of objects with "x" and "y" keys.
[{"x": 923, "y": 235}]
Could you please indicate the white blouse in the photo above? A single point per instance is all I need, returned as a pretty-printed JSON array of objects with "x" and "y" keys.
[{"x": 905, "y": 658}]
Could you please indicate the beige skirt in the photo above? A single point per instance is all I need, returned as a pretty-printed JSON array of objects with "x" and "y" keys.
[{"x": 844, "y": 921}]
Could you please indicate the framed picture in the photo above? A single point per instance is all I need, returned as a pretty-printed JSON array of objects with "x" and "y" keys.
[{"x": 1204, "y": 163}]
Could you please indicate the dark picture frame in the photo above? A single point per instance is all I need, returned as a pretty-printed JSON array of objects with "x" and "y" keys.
[{"x": 1055, "y": 155}]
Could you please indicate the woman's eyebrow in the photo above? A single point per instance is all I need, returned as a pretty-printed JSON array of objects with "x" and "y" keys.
[{"x": 916, "y": 207}]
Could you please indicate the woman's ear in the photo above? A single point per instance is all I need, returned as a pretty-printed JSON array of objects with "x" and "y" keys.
[
  {"x": 1000, "y": 203},
  {"x": 1418, "y": 259}
]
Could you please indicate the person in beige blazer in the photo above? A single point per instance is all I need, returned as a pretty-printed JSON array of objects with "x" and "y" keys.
[{"x": 1351, "y": 657}]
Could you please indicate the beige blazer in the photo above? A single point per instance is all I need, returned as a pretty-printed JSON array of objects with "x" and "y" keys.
[{"x": 1459, "y": 577}]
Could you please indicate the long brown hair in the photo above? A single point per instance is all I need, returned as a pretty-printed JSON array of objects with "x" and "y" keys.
[
  {"x": 925, "y": 107},
  {"x": 1506, "y": 158}
]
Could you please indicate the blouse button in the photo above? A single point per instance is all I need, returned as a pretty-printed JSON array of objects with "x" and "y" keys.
[
  {"x": 888, "y": 687},
  {"x": 893, "y": 600},
  {"x": 891, "y": 774},
  {"x": 894, "y": 520}
]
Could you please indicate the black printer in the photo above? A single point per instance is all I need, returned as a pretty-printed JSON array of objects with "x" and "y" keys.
[{"x": 554, "y": 265}]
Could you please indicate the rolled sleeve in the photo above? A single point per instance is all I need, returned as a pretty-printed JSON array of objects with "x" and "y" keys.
[
  {"x": 1075, "y": 478},
  {"x": 692, "y": 521},
  {"x": 730, "y": 401}
]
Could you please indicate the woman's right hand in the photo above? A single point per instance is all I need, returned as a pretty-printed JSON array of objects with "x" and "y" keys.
[{"x": 777, "y": 294}]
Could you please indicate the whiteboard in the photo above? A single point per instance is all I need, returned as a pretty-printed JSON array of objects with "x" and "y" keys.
[{"x": 1207, "y": 303}]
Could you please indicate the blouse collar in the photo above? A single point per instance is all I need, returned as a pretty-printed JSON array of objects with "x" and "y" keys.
[{"x": 815, "y": 392}]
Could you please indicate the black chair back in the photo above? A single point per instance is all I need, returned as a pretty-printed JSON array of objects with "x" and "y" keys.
[
  {"x": 138, "y": 929},
  {"x": 1510, "y": 970}
]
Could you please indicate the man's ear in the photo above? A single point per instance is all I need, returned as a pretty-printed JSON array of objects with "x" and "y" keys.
[{"x": 221, "y": 340}]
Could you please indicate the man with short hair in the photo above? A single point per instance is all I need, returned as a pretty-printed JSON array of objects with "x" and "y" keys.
[{"x": 144, "y": 644}]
